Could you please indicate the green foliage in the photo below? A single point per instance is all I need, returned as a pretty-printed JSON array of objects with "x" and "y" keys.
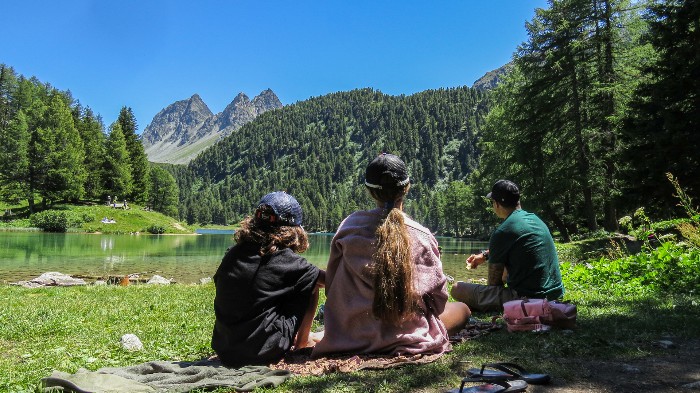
[
  {"x": 62, "y": 163},
  {"x": 118, "y": 178},
  {"x": 662, "y": 126},
  {"x": 164, "y": 193},
  {"x": 554, "y": 124},
  {"x": 137, "y": 156},
  {"x": 59, "y": 220},
  {"x": 156, "y": 229},
  {"x": 50, "y": 221},
  {"x": 92, "y": 134},
  {"x": 669, "y": 268}
]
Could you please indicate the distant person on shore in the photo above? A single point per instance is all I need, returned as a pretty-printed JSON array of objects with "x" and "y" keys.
[
  {"x": 521, "y": 253},
  {"x": 266, "y": 294},
  {"x": 385, "y": 288}
]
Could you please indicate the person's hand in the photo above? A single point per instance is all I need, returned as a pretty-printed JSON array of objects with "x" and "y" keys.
[
  {"x": 314, "y": 337},
  {"x": 475, "y": 260}
]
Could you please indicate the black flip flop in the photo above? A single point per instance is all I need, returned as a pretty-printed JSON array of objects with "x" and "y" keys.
[
  {"x": 492, "y": 387},
  {"x": 507, "y": 372}
]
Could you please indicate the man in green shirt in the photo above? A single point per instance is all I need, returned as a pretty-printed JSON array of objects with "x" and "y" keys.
[{"x": 521, "y": 253}]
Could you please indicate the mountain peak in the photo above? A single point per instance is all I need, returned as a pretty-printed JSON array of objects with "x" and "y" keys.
[{"x": 183, "y": 129}]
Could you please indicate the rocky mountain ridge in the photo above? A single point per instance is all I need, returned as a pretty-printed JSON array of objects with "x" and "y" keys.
[{"x": 182, "y": 130}]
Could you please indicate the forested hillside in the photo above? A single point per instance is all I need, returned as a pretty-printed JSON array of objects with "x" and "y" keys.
[
  {"x": 598, "y": 109},
  {"x": 317, "y": 150}
]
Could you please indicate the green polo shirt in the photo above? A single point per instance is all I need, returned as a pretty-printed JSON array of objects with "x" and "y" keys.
[{"x": 524, "y": 245}]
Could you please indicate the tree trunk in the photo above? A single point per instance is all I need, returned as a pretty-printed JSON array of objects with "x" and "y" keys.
[
  {"x": 582, "y": 150},
  {"x": 608, "y": 110},
  {"x": 558, "y": 223}
]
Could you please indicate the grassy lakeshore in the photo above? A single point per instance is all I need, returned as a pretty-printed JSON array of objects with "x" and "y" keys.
[
  {"x": 638, "y": 324},
  {"x": 88, "y": 218},
  {"x": 79, "y": 327}
]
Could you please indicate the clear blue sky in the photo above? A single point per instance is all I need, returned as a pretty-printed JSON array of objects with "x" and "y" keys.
[{"x": 147, "y": 54}]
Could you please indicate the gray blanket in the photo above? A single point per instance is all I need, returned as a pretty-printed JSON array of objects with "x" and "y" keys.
[{"x": 162, "y": 377}]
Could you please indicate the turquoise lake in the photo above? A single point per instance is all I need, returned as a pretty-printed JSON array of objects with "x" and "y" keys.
[{"x": 184, "y": 258}]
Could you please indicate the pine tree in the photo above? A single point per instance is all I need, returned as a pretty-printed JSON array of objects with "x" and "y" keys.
[
  {"x": 563, "y": 96},
  {"x": 117, "y": 173},
  {"x": 14, "y": 140},
  {"x": 14, "y": 159},
  {"x": 164, "y": 194},
  {"x": 137, "y": 155},
  {"x": 91, "y": 132},
  {"x": 32, "y": 97},
  {"x": 63, "y": 153},
  {"x": 664, "y": 125}
]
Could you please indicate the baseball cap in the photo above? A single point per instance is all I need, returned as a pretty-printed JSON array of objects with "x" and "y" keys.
[
  {"x": 285, "y": 209},
  {"x": 505, "y": 192},
  {"x": 387, "y": 170}
]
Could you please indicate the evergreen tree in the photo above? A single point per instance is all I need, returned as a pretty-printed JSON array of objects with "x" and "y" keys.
[
  {"x": 14, "y": 139},
  {"x": 457, "y": 208},
  {"x": 117, "y": 180},
  {"x": 92, "y": 134},
  {"x": 14, "y": 159},
  {"x": 164, "y": 194},
  {"x": 8, "y": 87},
  {"x": 563, "y": 96},
  {"x": 32, "y": 97},
  {"x": 137, "y": 155},
  {"x": 664, "y": 124},
  {"x": 63, "y": 153}
]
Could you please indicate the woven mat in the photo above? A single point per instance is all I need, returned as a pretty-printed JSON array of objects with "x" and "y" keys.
[
  {"x": 299, "y": 362},
  {"x": 476, "y": 328}
]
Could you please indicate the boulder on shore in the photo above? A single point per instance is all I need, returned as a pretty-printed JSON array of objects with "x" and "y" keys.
[{"x": 52, "y": 279}]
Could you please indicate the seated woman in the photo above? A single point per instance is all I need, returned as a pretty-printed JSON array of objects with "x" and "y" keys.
[
  {"x": 385, "y": 288},
  {"x": 266, "y": 294}
]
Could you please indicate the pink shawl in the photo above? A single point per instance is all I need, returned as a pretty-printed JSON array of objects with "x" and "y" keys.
[{"x": 350, "y": 326}]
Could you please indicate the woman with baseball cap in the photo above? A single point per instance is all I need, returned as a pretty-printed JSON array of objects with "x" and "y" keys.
[
  {"x": 385, "y": 288},
  {"x": 266, "y": 294}
]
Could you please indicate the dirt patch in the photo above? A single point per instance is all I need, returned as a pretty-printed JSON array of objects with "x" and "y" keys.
[
  {"x": 675, "y": 370},
  {"x": 179, "y": 226}
]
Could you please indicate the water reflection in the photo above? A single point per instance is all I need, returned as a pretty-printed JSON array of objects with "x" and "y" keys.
[{"x": 185, "y": 258}]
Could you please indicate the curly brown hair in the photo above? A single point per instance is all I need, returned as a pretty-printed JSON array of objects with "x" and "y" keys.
[{"x": 271, "y": 238}]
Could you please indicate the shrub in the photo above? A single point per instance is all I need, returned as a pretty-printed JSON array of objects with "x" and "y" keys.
[
  {"x": 156, "y": 229},
  {"x": 50, "y": 221},
  {"x": 671, "y": 267}
]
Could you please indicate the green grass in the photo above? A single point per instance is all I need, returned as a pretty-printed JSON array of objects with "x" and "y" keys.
[
  {"x": 626, "y": 303},
  {"x": 88, "y": 218},
  {"x": 79, "y": 327},
  {"x": 69, "y": 328}
]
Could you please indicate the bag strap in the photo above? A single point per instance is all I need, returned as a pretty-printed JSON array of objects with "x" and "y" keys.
[{"x": 522, "y": 305}]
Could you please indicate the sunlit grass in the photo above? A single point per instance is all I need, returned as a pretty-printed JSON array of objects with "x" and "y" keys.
[{"x": 66, "y": 329}]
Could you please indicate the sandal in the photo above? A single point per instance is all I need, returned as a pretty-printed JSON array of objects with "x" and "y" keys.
[
  {"x": 493, "y": 387},
  {"x": 507, "y": 372}
]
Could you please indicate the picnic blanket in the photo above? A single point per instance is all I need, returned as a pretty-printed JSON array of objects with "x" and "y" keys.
[
  {"x": 299, "y": 362},
  {"x": 179, "y": 377},
  {"x": 164, "y": 376}
]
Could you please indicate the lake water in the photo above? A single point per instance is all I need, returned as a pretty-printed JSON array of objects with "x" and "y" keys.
[{"x": 185, "y": 258}]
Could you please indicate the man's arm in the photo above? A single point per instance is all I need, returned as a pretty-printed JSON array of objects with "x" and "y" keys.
[{"x": 496, "y": 274}]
